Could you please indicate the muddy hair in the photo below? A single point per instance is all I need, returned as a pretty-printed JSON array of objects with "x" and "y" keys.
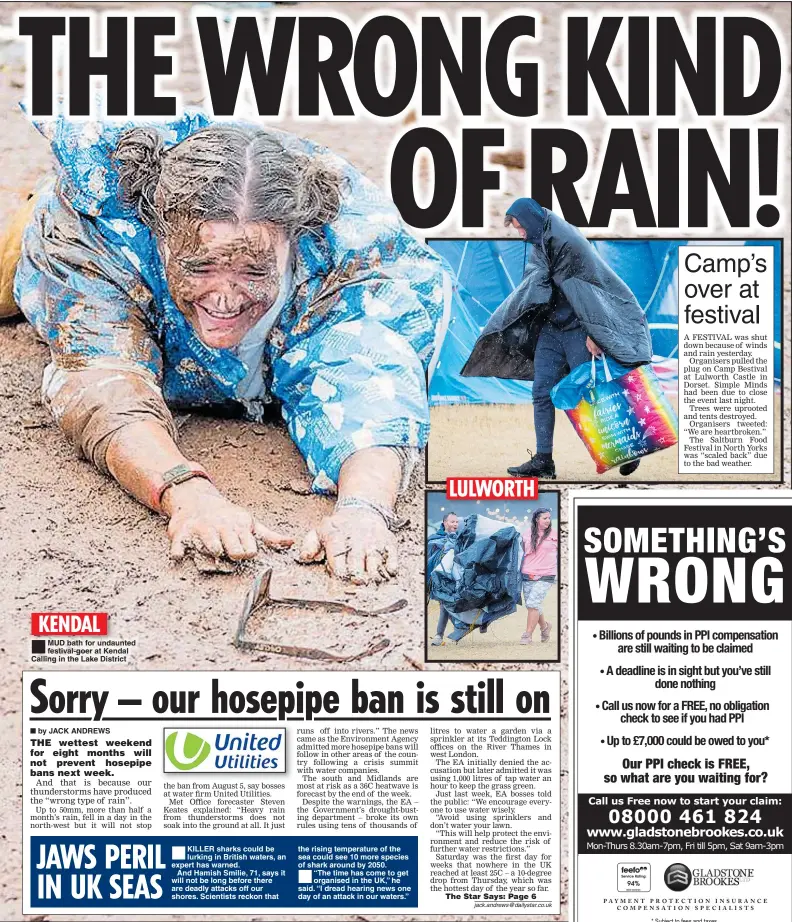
[
  {"x": 226, "y": 173},
  {"x": 536, "y": 538}
]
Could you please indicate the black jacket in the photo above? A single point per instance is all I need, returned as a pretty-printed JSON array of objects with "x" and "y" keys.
[{"x": 561, "y": 264}]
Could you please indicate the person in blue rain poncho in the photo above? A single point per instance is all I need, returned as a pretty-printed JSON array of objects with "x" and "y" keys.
[{"x": 228, "y": 266}]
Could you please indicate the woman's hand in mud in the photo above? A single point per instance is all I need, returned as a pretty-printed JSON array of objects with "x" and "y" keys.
[
  {"x": 203, "y": 520},
  {"x": 355, "y": 544},
  {"x": 592, "y": 347}
]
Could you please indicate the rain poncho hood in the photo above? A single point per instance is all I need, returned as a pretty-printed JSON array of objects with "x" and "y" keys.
[
  {"x": 561, "y": 263},
  {"x": 482, "y": 572},
  {"x": 345, "y": 360},
  {"x": 531, "y": 216}
]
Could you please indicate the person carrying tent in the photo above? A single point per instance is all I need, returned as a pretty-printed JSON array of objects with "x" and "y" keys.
[
  {"x": 569, "y": 306},
  {"x": 480, "y": 581}
]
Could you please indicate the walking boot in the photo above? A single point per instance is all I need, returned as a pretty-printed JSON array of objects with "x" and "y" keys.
[{"x": 540, "y": 466}]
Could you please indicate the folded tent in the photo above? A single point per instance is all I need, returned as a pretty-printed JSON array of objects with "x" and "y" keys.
[{"x": 479, "y": 581}]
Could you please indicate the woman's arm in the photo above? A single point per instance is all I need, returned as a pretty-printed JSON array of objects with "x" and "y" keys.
[
  {"x": 372, "y": 474},
  {"x": 119, "y": 421},
  {"x": 200, "y": 517},
  {"x": 356, "y": 539}
]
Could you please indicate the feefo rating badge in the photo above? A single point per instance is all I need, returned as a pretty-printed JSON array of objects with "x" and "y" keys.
[{"x": 633, "y": 877}]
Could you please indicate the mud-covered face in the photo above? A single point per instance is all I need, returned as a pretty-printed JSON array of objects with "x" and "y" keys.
[{"x": 224, "y": 276}]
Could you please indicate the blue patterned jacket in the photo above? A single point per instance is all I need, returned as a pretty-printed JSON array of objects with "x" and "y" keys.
[{"x": 346, "y": 359}]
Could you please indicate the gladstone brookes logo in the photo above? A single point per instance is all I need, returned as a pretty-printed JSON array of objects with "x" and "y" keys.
[
  {"x": 677, "y": 877},
  {"x": 224, "y": 751}
]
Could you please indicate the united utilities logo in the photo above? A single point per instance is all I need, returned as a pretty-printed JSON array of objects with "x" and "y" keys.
[
  {"x": 224, "y": 751},
  {"x": 194, "y": 750}
]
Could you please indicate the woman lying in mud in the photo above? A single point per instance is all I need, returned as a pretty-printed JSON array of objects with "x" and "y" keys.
[{"x": 224, "y": 266}]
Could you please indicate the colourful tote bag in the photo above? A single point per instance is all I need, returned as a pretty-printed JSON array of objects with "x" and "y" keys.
[{"x": 620, "y": 413}]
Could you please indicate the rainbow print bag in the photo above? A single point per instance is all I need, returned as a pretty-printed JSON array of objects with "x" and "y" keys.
[{"x": 620, "y": 413}]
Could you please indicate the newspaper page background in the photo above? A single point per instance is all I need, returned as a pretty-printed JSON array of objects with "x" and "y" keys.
[{"x": 72, "y": 541}]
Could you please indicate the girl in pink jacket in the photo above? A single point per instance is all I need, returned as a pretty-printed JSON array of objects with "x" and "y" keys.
[{"x": 539, "y": 571}]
